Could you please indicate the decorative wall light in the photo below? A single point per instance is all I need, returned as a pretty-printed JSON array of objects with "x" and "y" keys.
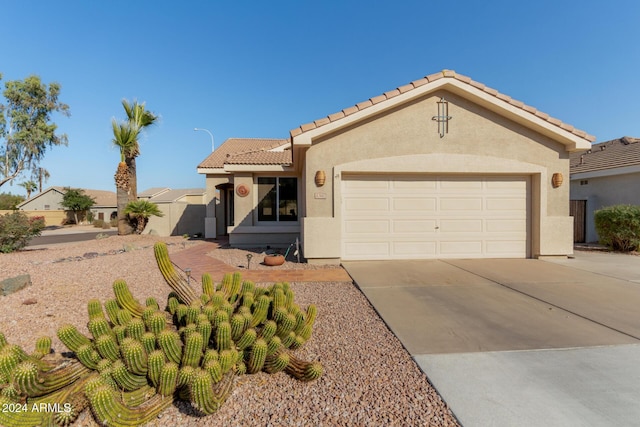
[
  {"x": 556, "y": 180},
  {"x": 443, "y": 117},
  {"x": 242, "y": 190},
  {"x": 320, "y": 178}
]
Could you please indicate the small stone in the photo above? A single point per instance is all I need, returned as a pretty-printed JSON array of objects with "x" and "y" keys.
[
  {"x": 30, "y": 301},
  {"x": 90, "y": 255}
]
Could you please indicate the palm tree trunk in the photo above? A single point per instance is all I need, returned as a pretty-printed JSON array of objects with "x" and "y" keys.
[
  {"x": 124, "y": 226},
  {"x": 133, "y": 178}
]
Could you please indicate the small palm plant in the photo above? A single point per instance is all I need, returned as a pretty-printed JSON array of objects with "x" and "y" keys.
[{"x": 141, "y": 211}]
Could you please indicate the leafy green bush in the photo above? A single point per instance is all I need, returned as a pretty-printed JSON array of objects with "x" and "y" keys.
[
  {"x": 16, "y": 229},
  {"x": 619, "y": 227}
]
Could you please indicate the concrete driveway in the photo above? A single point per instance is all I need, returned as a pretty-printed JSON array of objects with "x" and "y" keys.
[{"x": 519, "y": 342}]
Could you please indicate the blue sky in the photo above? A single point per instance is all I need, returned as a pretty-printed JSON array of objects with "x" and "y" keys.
[{"x": 260, "y": 69}]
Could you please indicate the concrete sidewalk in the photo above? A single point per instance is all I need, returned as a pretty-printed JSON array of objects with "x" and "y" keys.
[{"x": 518, "y": 342}]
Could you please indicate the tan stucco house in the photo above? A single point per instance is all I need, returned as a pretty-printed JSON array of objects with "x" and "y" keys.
[
  {"x": 606, "y": 174},
  {"x": 443, "y": 167},
  {"x": 50, "y": 199}
]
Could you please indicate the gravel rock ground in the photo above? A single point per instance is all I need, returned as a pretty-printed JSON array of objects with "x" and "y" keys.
[{"x": 369, "y": 379}]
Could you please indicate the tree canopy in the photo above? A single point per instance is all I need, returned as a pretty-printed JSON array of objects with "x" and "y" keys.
[
  {"x": 26, "y": 127},
  {"x": 10, "y": 201},
  {"x": 75, "y": 200}
]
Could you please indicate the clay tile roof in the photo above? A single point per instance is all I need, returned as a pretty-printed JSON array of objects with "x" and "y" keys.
[
  {"x": 612, "y": 154},
  {"x": 248, "y": 151},
  {"x": 450, "y": 74}
]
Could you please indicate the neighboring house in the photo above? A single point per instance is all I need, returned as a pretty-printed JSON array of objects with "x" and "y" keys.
[
  {"x": 443, "y": 167},
  {"x": 183, "y": 209},
  {"x": 606, "y": 174},
  {"x": 51, "y": 199},
  {"x": 152, "y": 192}
]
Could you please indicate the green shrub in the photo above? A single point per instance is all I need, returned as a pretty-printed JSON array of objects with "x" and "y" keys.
[
  {"x": 619, "y": 227},
  {"x": 16, "y": 229}
]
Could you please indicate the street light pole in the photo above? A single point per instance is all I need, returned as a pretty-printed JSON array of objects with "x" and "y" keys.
[{"x": 213, "y": 147}]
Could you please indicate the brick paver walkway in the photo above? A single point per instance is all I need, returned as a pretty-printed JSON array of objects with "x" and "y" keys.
[{"x": 199, "y": 262}]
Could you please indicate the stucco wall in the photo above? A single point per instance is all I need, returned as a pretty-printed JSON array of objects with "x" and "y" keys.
[
  {"x": 406, "y": 140},
  {"x": 604, "y": 191},
  {"x": 50, "y": 198},
  {"x": 178, "y": 219}
]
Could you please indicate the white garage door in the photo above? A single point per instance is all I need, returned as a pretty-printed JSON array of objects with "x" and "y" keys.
[{"x": 414, "y": 217}]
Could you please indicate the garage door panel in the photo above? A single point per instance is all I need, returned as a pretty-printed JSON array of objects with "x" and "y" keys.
[
  {"x": 506, "y": 225},
  {"x": 458, "y": 248},
  {"x": 460, "y": 184},
  {"x": 369, "y": 250},
  {"x": 505, "y": 248},
  {"x": 367, "y": 226},
  {"x": 413, "y": 226},
  {"x": 415, "y": 204},
  {"x": 412, "y": 184},
  {"x": 410, "y": 249},
  {"x": 367, "y": 183},
  {"x": 368, "y": 205},
  {"x": 457, "y": 204},
  {"x": 427, "y": 216},
  {"x": 504, "y": 204},
  {"x": 461, "y": 225}
]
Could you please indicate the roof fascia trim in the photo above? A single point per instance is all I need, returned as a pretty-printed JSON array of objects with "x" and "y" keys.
[
  {"x": 571, "y": 141},
  {"x": 606, "y": 172}
]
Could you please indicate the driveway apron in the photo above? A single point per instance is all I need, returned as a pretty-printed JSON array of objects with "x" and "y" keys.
[{"x": 516, "y": 342}]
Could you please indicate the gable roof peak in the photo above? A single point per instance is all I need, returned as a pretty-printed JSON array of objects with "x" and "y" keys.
[{"x": 429, "y": 79}]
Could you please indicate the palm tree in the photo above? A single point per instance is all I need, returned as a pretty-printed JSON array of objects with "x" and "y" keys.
[
  {"x": 43, "y": 174},
  {"x": 126, "y": 136},
  {"x": 123, "y": 137},
  {"x": 29, "y": 187},
  {"x": 141, "y": 211},
  {"x": 139, "y": 119}
]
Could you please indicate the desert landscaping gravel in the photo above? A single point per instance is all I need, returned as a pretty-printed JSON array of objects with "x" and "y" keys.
[{"x": 369, "y": 379}]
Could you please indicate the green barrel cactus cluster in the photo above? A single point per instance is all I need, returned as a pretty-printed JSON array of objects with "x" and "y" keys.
[{"x": 138, "y": 358}]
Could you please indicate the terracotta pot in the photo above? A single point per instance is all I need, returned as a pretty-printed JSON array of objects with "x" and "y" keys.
[{"x": 273, "y": 260}]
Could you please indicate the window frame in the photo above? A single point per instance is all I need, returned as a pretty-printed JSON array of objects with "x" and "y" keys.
[{"x": 277, "y": 221}]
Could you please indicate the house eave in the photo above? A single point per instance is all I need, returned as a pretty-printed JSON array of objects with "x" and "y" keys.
[
  {"x": 571, "y": 141},
  {"x": 606, "y": 172},
  {"x": 212, "y": 171},
  {"x": 258, "y": 168}
]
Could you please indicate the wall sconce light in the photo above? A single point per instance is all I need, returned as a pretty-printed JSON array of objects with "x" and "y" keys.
[
  {"x": 443, "y": 117},
  {"x": 320, "y": 178},
  {"x": 556, "y": 180}
]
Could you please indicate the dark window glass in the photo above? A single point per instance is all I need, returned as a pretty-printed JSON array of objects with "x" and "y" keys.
[{"x": 277, "y": 199}]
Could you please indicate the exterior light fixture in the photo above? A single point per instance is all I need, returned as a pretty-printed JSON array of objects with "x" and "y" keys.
[
  {"x": 556, "y": 180},
  {"x": 188, "y": 273},
  {"x": 249, "y": 256},
  {"x": 320, "y": 178},
  {"x": 443, "y": 117}
]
